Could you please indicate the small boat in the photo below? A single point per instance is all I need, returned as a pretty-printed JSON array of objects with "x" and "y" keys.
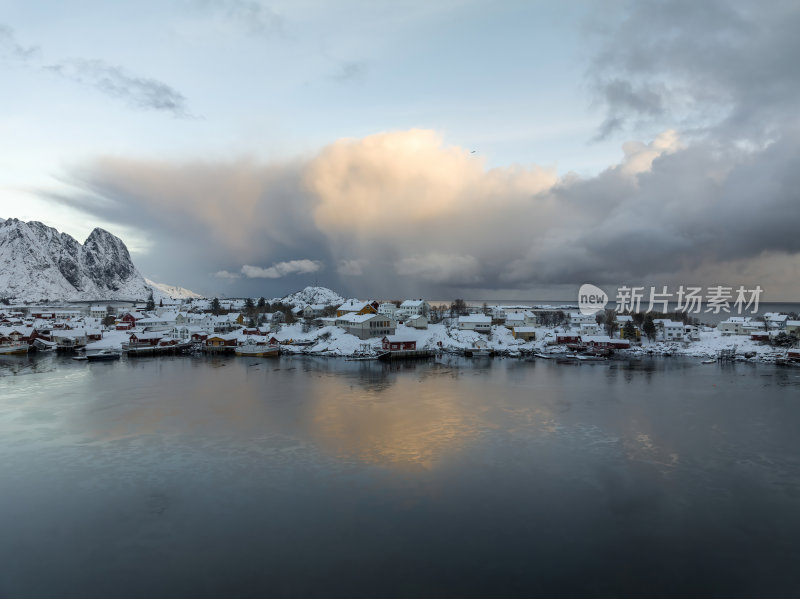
[
  {"x": 709, "y": 361},
  {"x": 543, "y": 356},
  {"x": 103, "y": 355},
  {"x": 590, "y": 358},
  {"x": 258, "y": 351},
  {"x": 14, "y": 348}
]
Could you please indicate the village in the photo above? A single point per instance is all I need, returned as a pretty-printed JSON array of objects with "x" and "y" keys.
[{"x": 368, "y": 329}]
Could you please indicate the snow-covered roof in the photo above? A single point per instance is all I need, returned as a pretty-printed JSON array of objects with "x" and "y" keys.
[
  {"x": 476, "y": 318},
  {"x": 412, "y": 303},
  {"x": 399, "y": 339},
  {"x": 358, "y": 318},
  {"x": 353, "y": 305}
]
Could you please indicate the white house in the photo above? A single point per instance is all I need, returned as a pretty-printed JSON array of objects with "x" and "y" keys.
[
  {"x": 417, "y": 322},
  {"x": 387, "y": 309},
  {"x": 576, "y": 319},
  {"x": 668, "y": 330},
  {"x": 415, "y": 307},
  {"x": 475, "y": 322},
  {"x": 735, "y": 325},
  {"x": 775, "y": 320},
  {"x": 591, "y": 329},
  {"x": 365, "y": 326},
  {"x": 98, "y": 312},
  {"x": 524, "y": 318}
]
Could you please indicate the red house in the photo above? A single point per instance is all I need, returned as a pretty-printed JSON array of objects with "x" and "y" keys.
[
  {"x": 395, "y": 343},
  {"x": 567, "y": 338},
  {"x": 145, "y": 338}
]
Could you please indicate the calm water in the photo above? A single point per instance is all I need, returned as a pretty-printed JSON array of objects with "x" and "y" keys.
[{"x": 193, "y": 477}]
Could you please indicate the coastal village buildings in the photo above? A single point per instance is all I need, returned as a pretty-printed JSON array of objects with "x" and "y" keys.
[{"x": 501, "y": 328}]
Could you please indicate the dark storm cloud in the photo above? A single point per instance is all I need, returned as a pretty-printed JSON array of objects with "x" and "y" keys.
[
  {"x": 401, "y": 211},
  {"x": 724, "y": 66},
  {"x": 114, "y": 81},
  {"x": 11, "y": 48}
]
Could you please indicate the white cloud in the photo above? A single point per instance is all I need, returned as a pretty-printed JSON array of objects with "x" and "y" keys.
[
  {"x": 352, "y": 268},
  {"x": 281, "y": 269},
  {"x": 224, "y": 274}
]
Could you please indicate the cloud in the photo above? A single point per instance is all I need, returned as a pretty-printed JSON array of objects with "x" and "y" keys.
[
  {"x": 719, "y": 66},
  {"x": 114, "y": 81},
  {"x": 281, "y": 269},
  {"x": 10, "y": 47},
  {"x": 352, "y": 268},
  {"x": 224, "y": 274},
  {"x": 448, "y": 269},
  {"x": 404, "y": 213},
  {"x": 350, "y": 72},
  {"x": 254, "y": 17}
]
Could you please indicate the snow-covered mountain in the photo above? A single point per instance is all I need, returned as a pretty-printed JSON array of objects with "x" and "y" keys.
[
  {"x": 37, "y": 263},
  {"x": 313, "y": 295},
  {"x": 172, "y": 291}
]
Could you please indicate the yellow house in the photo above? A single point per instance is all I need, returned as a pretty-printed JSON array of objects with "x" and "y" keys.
[
  {"x": 524, "y": 333},
  {"x": 355, "y": 306}
]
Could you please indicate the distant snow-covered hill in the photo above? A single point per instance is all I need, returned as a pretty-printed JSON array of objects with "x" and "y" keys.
[
  {"x": 313, "y": 295},
  {"x": 172, "y": 291},
  {"x": 37, "y": 263}
]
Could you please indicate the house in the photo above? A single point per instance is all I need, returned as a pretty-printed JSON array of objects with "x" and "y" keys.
[
  {"x": 398, "y": 343},
  {"x": 590, "y": 329},
  {"x": 524, "y": 333},
  {"x": 475, "y": 322},
  {"x": 793, "y": 327},
  {"x": 417, "y": 322},
  {"x": 387, "y": 309},
  {"x": 313, "y": 311},
  {"x": 692, "y": 332},
  {"x": 98, "y": 312},
  {"x": 365, "y": 326},
  {"x": 605, "y": 342},
  {"x": 149, "y": 338},
  {"x": 775, "y": 320},
  {"x": 418, "y": 307},
  {"x": 357, "y": 307},
  {"x": 567, "y": 338},
  {"x": 762, "y": 335},
  {"x": 70, "y": 338},
  {"x": 576, "y": 319},
  {"x": 525, "y": 318},
  {"x": 132, "y": 318},
  {"x": 668, "y": 330},
  {"x": 735, "y": 325},
  {"x": 221, "y": 342}
]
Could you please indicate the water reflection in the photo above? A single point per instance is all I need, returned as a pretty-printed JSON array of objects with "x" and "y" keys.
[{"x": 394, "y": 421}]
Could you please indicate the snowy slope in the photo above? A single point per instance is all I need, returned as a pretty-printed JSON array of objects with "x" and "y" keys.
[
  {"x": 37, "y": 262},
  {"x": 314, "y": 295},
  {"x": 172, "y": 291}
]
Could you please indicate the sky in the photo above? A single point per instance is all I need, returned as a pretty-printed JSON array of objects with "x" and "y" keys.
[{"x": 440, "y": 149}]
